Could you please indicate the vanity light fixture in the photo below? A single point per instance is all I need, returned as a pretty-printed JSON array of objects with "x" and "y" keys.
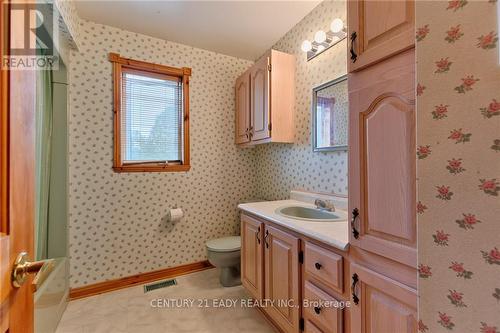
[{"x": 324, "y": 40}]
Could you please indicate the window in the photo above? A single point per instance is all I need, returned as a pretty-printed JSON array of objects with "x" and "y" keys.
[{"x": 151, "y": 123}]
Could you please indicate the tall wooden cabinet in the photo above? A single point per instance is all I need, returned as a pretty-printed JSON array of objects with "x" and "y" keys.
[
  {"x": 265, "y": 101},
  {"x": 382, "y": 191},
  {"x": 382, "y": 158},
  {"x": 378, "y": 30}
]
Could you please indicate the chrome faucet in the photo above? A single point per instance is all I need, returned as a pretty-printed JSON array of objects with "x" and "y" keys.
[{"x": 324, "y": 205}]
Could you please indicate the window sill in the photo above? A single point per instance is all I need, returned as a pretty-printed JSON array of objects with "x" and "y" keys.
[{"x": 150, "y": 168}]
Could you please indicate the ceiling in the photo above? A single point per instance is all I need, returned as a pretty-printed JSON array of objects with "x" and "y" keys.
[{"x": 244, "y": 29}]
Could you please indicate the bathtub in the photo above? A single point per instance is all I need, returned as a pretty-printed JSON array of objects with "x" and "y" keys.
[{"x": 51, "y": 298}]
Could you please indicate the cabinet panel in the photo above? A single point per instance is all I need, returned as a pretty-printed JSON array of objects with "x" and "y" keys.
[
  {"x": 382, "y": 159},
  {"x": 282, "y": 278},
  {"x": 383, "y": 28},
  {"x": 387, "y": 162},
  {"x": 309, "y": 327},
  {"x": 242, "y": 93},
  {"x": 252, "y": 256},
  {"x": 384, "y": 305},
  {"x": 259, "y": 103}
]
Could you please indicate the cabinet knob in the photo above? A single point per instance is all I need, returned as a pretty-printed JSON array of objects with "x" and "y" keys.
[
  {"x": 317, "y": 309},
  {"x": 318, "y": 266}
]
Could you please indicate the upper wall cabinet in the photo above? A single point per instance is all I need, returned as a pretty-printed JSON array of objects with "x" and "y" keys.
[
  {"x": 378, "y": 30},
  {"x": 265, "y": 100}
]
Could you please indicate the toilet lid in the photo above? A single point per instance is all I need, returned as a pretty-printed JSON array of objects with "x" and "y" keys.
[{"x": 224, "y": 244}]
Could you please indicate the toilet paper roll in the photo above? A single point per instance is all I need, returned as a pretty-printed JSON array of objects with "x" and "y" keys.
[{"x": 175, "y": 214}]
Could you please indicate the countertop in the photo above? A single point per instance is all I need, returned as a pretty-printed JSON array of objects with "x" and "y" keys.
[{"x": 335, "y": 234}]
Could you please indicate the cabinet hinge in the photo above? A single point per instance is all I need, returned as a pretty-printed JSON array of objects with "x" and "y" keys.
[
  {"x": 301, "y": 324},
  {"x": 269, "y": 127},
  {"x": 269, "y": 67},
  {"x": 301, "y": 257}
]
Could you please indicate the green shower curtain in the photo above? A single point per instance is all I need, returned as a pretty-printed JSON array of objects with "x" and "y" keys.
[{"x": 43, "y": 160}]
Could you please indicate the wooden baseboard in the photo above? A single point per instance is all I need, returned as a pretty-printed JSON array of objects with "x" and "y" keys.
[{"x": 130, "y": 281}]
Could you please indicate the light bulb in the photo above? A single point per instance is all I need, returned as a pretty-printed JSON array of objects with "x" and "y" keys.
[
  {"x": 335, "y": 39},
  {"x": 320, "y": 36},
  {"x": 306, "y": 46},
  {"x": 337, "y": 25},
  {"x": 321, "y": 48}
]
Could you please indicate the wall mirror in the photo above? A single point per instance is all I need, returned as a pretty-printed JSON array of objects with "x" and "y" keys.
[{"x": 330, "y": 112}]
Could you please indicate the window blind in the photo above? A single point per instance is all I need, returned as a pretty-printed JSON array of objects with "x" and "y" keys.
[{"x": 152, "y": 118}]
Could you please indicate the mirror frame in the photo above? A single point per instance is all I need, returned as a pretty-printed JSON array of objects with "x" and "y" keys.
[{"x": 313, "y": 111}]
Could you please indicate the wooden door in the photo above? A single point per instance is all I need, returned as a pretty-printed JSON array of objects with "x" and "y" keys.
[
  {"x": 242, "y": 92},
  {"x": 382, "y": 191},
  {"x": 383, "y": 305},
  {"x": 281, "y": 286},
  {"x": 381, "y": 28},
  {"x": 17, "y": 180},
  {"x": 252, "y": 277},
  {"x": 259, "y": 102}
]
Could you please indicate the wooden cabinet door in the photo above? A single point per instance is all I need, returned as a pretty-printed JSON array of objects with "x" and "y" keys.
[
  {"x": 382, "y": 29},
  {"x": 259, "y": 101},
  {"x": 282, "y": 278},
  {"x": 382, "y": 158},
  {"x": 17, "y": 175},
  {"x": 252, "y": 276},
  {"x": 383, "y": 305},
  {"x": 242, "y": 92}
]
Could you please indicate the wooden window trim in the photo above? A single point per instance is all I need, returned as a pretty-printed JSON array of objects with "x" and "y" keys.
[{"x": 121, "y": 64}]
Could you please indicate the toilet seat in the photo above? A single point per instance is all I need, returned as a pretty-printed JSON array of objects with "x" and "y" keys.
[{"x": 224, "y": 244}]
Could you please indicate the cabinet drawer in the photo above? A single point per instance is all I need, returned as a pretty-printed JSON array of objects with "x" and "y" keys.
[
  {"x": 321, "y": 310},
  {"x": 324, "y": 265}
]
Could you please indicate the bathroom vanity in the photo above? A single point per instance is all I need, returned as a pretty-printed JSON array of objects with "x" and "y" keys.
[
  {"x": 313, "y": 265},
  {"x": 297, "y": 267}
]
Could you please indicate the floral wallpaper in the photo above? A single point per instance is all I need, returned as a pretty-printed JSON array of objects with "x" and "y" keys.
[
  {"x": 458, "y": 169},
  {"x": 70, "y": 25},
  {"x": 283, "y": 167},
  {"x": 117, "y": 221}
]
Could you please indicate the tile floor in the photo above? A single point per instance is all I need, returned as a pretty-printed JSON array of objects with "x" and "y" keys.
[{"x": 130, "y": 310}]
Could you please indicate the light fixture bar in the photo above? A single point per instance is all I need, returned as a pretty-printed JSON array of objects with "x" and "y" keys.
[{"x": 324, "y": 40}]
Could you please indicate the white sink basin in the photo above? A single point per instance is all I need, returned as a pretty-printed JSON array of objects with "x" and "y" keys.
[{"x": 311, "y": 214}]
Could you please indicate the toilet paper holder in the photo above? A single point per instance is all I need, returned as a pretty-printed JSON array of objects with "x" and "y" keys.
[{"x": 174, "y": 214}]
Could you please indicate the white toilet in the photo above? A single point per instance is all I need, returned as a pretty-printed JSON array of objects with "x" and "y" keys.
[{"x": 224, "y": 253}]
